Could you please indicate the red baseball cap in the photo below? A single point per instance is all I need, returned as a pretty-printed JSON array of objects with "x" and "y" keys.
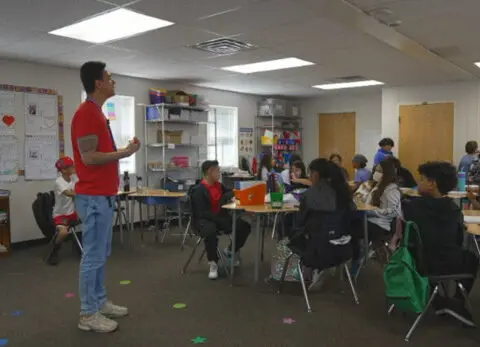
[{"x": 63, "y": 163}]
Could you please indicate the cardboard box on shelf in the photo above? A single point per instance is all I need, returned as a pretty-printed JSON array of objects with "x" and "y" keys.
[{"x": 171, "y": 136}]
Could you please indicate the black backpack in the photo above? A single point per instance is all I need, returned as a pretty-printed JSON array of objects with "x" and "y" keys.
[{"x": 43, "y": 212}]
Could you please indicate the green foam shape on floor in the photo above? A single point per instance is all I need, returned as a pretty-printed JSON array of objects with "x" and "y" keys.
[{"x": 125, "y": 282}]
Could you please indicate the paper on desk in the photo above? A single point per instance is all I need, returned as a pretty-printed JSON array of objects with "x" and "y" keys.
[
  {"x": 471, "y": 219},
  {"x": 287, "y": 199}
]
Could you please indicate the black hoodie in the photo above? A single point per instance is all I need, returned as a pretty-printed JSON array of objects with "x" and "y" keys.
[{"x": 440, "y": 223}]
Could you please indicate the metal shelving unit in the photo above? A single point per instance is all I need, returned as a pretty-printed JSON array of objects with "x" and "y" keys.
[{"x": 192, "y": 122}]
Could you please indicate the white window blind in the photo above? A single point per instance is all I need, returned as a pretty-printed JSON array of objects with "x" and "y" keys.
[
  {"x": 120, "y": 110},
  {"x": 226, "y": 135}
]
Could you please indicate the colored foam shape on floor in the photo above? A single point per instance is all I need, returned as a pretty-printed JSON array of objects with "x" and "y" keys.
[
  {"x": 3, "y": 342},
  {"x": 199, "y": 340},
  {"x": 179, "y": 305},
  {"x": 69, "y": 295},
  {"x": 17, "y": 313},
  {"x": 125, "y": 282},
  {"x": 288, "y": 321}
]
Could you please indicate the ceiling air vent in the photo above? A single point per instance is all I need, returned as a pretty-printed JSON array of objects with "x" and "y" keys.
[{"x": 224, "y": 46}]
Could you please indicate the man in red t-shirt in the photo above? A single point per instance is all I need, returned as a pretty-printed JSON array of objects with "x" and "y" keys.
[
  {"x": 209, "y": 218},
  {"x": 96, "y": 161}
]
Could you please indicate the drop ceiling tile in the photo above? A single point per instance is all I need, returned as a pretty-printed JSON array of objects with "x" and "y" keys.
[
  {"x": 119, "y": 2},
  {"x": 9, "y": 35},
  {"x": 101, "y": 53},
  {"x": 185, "y": 11},
  {"x": 256, "y": 16},
  {"x": 46, "y": 16},
  {"x": 246, "y": 57},
  {"x": 161, "y": 40},
  {"x": 42, "y": 46}
]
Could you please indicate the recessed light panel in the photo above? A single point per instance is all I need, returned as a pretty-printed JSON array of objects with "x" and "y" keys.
[
  {"x": 345, "y": 85},
  {"x": 110, "y": 26},
  {"x": 270, "y": 65}
]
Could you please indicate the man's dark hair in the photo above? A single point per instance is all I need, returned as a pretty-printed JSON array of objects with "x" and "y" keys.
[
  {"x": 207, "y": 165},
  {"x": 471, "y": 147},
  {"x": 442, "y": 173},
  {"x": 90, "y": 72},
  {"x": 386, "y": 142}
]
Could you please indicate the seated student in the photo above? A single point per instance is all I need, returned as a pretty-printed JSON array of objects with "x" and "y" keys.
[
  {"x": 297, "y": 172},
  {"x": 210, "y": 218},
  {"x": 266, "y": 167},
  {"x": 286, "y": 173},
  {"x": 386, "y": 197},
  {"x": 362, "y": 174},
  {"x": 337, "y": 159},
  {"x": 326, "y": 210},
  {"x": 64, "y": 209},
  {"x": 471, "y": 148},
  {"x": 404, "y": 176},
  {"x": 386, "y": 144},
  {"x": 440, "y": 224}
]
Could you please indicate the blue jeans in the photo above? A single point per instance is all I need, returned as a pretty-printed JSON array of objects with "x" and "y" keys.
[{"x": 96, "y": 214}]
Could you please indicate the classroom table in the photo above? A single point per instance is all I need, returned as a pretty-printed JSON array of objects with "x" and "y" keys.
[
  {"x": 472, "y": 220},
  {"x": 255, "y": 209},
  {"x": 154, "y": 193}
]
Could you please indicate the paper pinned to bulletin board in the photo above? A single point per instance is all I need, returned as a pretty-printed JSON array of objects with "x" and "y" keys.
[
  {"x": 7, "y": 112},
  {"x": 41, "y": 114},
  {"x": 246, "y": 143},
  {"x": 41, "y": 153},
  {"x": 8, "y": 159}
]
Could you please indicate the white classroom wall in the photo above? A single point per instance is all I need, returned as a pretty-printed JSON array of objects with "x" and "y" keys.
[
  {"x": 67, "y": 83},
  {"x": 367, "y": 107}
]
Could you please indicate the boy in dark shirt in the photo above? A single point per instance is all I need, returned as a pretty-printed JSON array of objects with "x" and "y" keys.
[
  {"x": 209, "y": 218},
  {"x": 440, "y": 222}
]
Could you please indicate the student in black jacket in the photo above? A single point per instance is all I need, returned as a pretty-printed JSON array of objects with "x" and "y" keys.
[
  {"x": 405, "y": 177},
  {"x": 209, "y": 218},
  {"x": 440, "y": 223}
]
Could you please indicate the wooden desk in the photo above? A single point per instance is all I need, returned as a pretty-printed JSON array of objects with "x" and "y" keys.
[
  {"x": 471, "y": 213},
  {"x": 157, "y": 193}
]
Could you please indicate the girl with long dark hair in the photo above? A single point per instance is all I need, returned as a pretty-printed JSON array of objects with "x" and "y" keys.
[{"x": 266, "y": 166}]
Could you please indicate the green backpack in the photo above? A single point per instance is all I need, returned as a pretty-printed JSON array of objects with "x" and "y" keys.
[{"x": 404, "y": 286}]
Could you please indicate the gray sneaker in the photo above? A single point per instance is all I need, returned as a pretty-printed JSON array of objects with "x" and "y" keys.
[
  {"x": 97, "y": 323},
  {"x": 113, "y": 311}
]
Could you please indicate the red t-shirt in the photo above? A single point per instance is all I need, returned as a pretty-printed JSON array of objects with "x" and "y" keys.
[
  {"x": 215, "y": 192},
  {"x": 94, "y": 179}
]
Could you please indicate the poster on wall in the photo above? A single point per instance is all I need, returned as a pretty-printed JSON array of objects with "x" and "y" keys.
[
  {"x": 41, "y": 153},
  {"x": 41, "y": 114},
  {"x": 8, "y": 159},
  {"x": 246, "y": 143},
  {"x": 7, "y": 116}
]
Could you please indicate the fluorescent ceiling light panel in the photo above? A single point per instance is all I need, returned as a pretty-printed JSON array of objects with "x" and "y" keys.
[
  {"x": 477, "y": 64},
  {"x": 111, "y": 26},
  {"x": 345, "y": 85},
  {"x": 270, "y": 65}
]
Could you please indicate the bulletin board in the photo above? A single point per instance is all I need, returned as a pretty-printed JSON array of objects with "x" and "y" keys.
[{"x": 31, "y": 132}]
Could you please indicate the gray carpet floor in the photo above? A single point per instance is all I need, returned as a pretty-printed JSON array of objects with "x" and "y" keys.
[{"x": 35, "y": 312}]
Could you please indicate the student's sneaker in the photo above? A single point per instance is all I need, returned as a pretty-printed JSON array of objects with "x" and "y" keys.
[
  {"x": 213, "y": 272},
  {"x": 318, "y": 280},
  {"x": 113, "y": 311},
  {"x": 54, "y": 258},
  {"x": 97, "y": 323},
  {"x": 458, "y": 311},
  {"x": 228, "y": 255}
]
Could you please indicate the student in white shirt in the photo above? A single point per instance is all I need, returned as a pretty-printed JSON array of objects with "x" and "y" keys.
[{"x": 64, "y": 209}]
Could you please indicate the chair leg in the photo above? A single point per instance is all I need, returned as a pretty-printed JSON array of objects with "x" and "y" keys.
[
  {"x": 222, "y": 258},
  {"x": 262, "y": 245},
  {"x": 420, "y": 316},
  {"x": 304, "y": 287},
  {"x": 390, "y": 309},
  {"x": 202, "y": 255},
  {"x": 476, "y": 245},
  {"x": 465, "y": 295},
  {"x": 274, "y": 229},
  {"x": 284, "y": 273},
  {"x": 350, "y": 281},
  {"x": 189, "y": 260},
  {"x": 79, "y": 244},
  {"x": 185, "y": 234},
  {"x": 165, "y": 229}
]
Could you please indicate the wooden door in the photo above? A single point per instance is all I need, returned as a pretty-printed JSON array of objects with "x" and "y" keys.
[
  {"x": 336, "y": 133},
  {"x": 426, "y": 133}
]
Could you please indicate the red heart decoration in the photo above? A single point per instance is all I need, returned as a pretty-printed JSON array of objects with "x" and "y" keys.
[{"x": 8, "y": 120}]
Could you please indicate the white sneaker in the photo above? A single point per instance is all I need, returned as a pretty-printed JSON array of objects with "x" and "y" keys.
[
  {"x": 97, "y": 323},
  {"x": 318, "y": 280},
  {"x": 113, "y": 311},
  {"x": 213, "y": 273}
]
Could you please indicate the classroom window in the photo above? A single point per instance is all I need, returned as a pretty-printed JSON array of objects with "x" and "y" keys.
[
  {"x": 120, "y": 110},
  {"x": 225, "y": 132}
]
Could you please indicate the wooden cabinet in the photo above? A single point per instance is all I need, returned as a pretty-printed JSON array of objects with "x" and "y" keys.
[{"x": 5, "y": 237}]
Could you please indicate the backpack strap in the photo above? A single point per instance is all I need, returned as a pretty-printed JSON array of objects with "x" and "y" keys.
[{"x": 409, "y": 225}]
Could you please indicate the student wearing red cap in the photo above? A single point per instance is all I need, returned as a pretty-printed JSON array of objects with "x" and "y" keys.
[{"x": 64, "y": 209}]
